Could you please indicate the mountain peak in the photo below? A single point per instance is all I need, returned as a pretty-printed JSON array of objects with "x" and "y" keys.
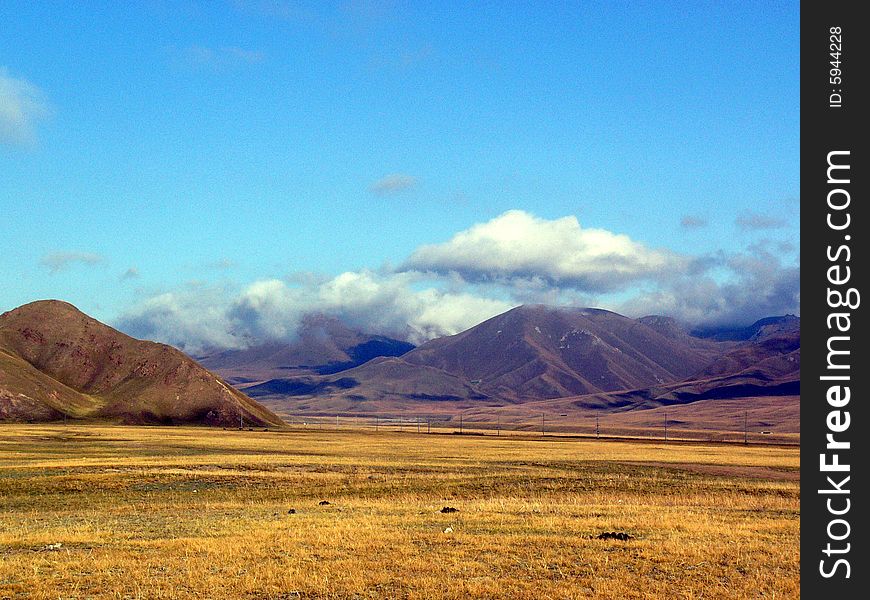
[{"x": 42, "y": 306}]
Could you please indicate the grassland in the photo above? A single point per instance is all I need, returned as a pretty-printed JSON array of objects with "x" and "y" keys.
[{"x": 123, "y": 512}]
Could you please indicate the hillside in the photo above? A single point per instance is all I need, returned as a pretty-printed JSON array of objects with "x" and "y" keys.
[
  {"x": 55, "y": 361},
  {"x": 537, "y": 352}
]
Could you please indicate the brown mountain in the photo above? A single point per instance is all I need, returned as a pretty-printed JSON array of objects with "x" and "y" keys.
[
  {"x": 56, "y": 361},
  {"x": 575, "y": 359},
  {"x": 762, "y": 369},
  {"x": 526, "y": 354},
  {"x": 537, "y": 352},
  {"x": 323, "y": 345}
]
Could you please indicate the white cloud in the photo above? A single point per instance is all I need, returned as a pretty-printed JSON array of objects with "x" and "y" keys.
[
  {"x": 446, "y": 288},
  {"x": 391, "y": 303},
  {"x": 520, "y": 246},
  {"x": 60, "y": 261},
  {"x": 393, "y": 184},
  {"x": 22, "y": 106},
  {"x": 199, "y": 318},
  {"x": 728, "y": 289},
  {"x": 192, "y": 319}
]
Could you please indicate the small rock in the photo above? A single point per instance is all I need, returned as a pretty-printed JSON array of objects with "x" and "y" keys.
[
  {"x": 448, "y": 530},
  {"x": 449, "y": 509},
  {"x": 52, "y": 547},
  {"x": 292, "y": 511},
  {"x": 324, "y": 503},
  {"x": 615, "y": 535}
]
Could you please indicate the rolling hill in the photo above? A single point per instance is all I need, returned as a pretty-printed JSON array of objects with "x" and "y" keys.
[{"x": 55, "y": 361}]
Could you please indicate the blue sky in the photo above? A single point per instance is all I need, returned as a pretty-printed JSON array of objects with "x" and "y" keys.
[{"x": 175, "y": 159}]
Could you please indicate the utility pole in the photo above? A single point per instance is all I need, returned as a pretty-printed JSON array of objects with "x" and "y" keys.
[
  {"x": 498, "y": 426},
  {"x": 542, "y": 425},
  {"x": 418, "y": 424},
  {"x": 666, "y": 426},
  {"x": 428, "y": 424},
  {"x": 745, "y": 429},
  {"x": 376, "y": 422},
  {"x": 460, "y": 423},
  {"x": 597, "y": 428}
]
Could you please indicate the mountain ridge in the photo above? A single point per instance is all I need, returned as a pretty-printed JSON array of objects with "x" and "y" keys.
[{"x": 534, "y": 353}]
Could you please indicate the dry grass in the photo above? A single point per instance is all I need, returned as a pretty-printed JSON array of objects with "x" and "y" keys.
[{"x": 187, "y": 512}]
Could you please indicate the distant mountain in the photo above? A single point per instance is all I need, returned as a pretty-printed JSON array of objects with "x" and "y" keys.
[
  {"x": 571, "y": 359},
  {"x": 769, "y": 326},
  {"x": 380, "y": 379},
  {"x": 538, "y": 352},
  {"x": 57, "y": 361},
  {"x": 323, "y": 345}
]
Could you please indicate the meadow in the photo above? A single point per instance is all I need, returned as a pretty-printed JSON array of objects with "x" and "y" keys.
[{"x": 91, "y": 511}]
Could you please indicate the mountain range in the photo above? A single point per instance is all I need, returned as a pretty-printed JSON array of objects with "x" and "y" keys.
[
  {"x": 56, "y": 361},
  {"x": 591, "y": 358}
]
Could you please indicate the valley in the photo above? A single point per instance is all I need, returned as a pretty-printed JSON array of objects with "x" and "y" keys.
[{"x": 169, "y": 512}]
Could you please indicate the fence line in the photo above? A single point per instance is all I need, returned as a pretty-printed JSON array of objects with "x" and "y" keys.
[{"x": 546, "y": 425}]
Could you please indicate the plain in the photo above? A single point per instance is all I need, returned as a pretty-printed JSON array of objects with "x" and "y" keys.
[{"x": 156, "y": 512}]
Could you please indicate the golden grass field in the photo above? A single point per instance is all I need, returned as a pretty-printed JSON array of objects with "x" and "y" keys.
[{"x": 91, "y": 511}]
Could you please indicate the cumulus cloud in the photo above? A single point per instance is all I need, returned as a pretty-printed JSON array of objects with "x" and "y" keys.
[
  {"x": 750, "y": 221},
  {"x": 387, "y": 303},
  {"x": 693, "y": 222},
  {"x": 393, "y": 184},
  {"x": 483, "y": 271},
  {"x": 22, "y": 107},
  {"x": 520, "y": 246},
  {"x": 56, "y": 262},
  {"x": 391, "y": 303},
  {"x": 193, "y": 318},
  {"x": 729, "y": 289}
]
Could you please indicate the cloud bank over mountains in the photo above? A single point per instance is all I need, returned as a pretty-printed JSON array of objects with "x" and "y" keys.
[
  {"x": 444, "y": 288},
  {"x": 197, "y": 318}
]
